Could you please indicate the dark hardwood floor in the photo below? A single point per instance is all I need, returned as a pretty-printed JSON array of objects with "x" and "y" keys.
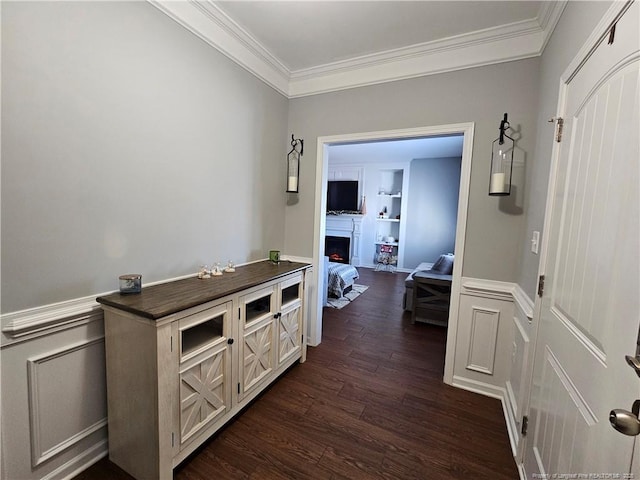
[{"x": 369, "y": 403}]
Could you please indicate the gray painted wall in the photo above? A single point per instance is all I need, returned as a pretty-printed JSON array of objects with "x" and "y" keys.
[
  {"x": 480, "y": 95},
  {"x": 432, "y": 208},
  {"x": 575, "y": 25},
  {"x": 128, "y": 145}
]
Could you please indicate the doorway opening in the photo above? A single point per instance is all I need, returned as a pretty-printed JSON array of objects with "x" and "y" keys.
[{"x": 316, "y": 297}]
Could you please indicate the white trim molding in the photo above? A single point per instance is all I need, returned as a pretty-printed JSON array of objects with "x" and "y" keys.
[
  {"x": 505, "y": 43},
  {"x": 33, "y": 322},
  {"x": 499, "y": 290}
]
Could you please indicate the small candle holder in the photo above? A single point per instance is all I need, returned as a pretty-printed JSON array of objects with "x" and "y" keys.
[
  {"x": 216, "y": 271},
  {"x": 130, "y": 283},
  {"x": 204, "y": 272},
  {"x": 230, "y": 267}
]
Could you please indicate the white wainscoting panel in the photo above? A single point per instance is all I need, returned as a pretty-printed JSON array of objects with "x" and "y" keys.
[
  {"x": 61, "y": 375},
  {"x": 494, "y": 347},
  {"x": 54, "y": 397},
  {"x": 518, "y": 383},
  {"x": 484, "y": 335}
]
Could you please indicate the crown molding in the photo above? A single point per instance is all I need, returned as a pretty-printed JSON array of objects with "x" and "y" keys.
[
  {"x": 506, "y": 43},
  {"x": 205, "y": 20}
]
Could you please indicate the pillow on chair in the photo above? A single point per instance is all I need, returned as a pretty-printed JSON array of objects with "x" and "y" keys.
[{"x": 444, "y": 264}]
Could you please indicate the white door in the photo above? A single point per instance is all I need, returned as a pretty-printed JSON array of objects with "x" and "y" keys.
[{"x": 589, "y": 312}]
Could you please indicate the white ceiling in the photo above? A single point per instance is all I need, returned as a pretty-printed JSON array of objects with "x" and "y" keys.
[
  {"x": 308, "y": 47},
  {"x": 305, "y": 34},
  {"x": 403, "y": 150}
]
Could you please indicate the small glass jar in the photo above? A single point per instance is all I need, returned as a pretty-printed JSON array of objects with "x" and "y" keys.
[{"x": 130, "y": 283}]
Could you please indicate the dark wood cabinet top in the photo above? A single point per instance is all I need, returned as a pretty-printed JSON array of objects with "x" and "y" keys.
[{"x": 158, "y": 301}]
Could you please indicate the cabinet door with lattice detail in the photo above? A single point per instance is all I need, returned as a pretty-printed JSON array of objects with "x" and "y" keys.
[
  {"x": 290, "y": 319},
  {"x": 257, "y": 359},
  {"x": 289, "y": 334},
  {"x": 205, "y": 369}
]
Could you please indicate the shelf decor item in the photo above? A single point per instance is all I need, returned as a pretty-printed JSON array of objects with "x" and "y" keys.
[
  {"x": 293, "y": 164},
  {"x": 501, "y": 162},
  {"x": 216, "y": 270},
  {"x": 274, "y": 256},
  {"x": 130, "y": 283}
]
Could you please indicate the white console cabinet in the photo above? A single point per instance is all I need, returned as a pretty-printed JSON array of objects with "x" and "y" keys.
[{"x": 184, "y": 357}]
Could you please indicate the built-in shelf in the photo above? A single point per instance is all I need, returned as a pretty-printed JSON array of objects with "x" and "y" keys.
[{"x": 388, "y": 219}]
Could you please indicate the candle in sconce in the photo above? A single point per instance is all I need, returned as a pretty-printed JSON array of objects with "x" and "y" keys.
[
  {"x": 292, "y": 184},
  {"x": 497, "y": 183}
]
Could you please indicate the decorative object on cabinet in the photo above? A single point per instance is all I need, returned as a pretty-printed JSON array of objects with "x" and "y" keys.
[
  {"x": 501, "y": 162},
  {"x": 274, "y": 256},
  {"x": 216, "y": 271},
  {"x": 293, "y": 164},
  {"x": 184, "y": 357},
  {"x": 204, "y": 272},
  {"x": 130, "y": 283},
  {"x": 230, "y": 268}
]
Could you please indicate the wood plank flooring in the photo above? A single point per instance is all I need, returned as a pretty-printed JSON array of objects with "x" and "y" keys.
[{"x": 369, "y": 403}]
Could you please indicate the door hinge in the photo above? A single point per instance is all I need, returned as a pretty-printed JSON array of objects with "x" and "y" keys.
[
  {"x": 525, "y": 425},
  {"x": 238, "y": 313},
  {"x": 172, "y": 343},
  {"x": 238, "y": 388},
  {"x": 540, "y": 285},
  {"x": 559, "y": 128},
  {"x": 172, "y": 439}
]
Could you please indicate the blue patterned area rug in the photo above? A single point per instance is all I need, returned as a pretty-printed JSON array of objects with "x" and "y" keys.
[{"x": 341, "y": 302}]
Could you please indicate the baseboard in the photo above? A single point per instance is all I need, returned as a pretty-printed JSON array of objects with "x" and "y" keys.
[
  {"x": 478, "y": 387},
  {"x": 80, "y": 463},
  {"x": 510, "y": 420}
]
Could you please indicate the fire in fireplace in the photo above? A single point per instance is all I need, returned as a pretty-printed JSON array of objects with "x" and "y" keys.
[{"x": 337, "y": 248}]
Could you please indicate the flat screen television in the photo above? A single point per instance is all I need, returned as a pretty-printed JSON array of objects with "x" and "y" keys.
[{"x": 342, "y": 196}]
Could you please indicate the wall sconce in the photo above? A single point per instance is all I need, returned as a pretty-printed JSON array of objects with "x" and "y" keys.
[
  {"x": 293, "y": 165},
  {"x": 501, "y": 162}
]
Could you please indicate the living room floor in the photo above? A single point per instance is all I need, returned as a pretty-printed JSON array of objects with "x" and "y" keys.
[{"x": 369, "y": 403}]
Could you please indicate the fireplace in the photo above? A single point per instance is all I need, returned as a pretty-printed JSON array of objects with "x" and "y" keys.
[{"x": 337, "y": 249}]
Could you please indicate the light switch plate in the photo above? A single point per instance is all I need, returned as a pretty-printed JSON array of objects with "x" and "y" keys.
[{"x": 535, "y": 242}]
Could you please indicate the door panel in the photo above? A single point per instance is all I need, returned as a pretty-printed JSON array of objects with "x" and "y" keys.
[
  {"x": 289, "y": 333},
  {"x": 588, "y": 317}
]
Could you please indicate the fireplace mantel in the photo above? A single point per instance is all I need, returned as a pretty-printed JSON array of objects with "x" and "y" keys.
[{"x": 347, "y": 225}]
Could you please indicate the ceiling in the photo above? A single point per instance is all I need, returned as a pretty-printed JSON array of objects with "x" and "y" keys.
[
  {"x": 309, "y": 47},
  {"x": 305, "y": 34}
]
